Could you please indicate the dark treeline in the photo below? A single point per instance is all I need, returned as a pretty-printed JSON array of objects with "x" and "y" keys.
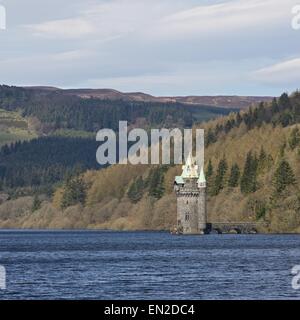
[
  {"x": 44, "y": 161},
  {"x": 283, "y": 111},
  {"x": 56, "y": 110}
]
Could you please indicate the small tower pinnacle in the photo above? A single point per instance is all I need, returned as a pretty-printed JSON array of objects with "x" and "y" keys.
[{"x": 202, "y": 180}]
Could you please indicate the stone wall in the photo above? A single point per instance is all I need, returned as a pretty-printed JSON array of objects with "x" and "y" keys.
[{"x": 191, "y": 207}]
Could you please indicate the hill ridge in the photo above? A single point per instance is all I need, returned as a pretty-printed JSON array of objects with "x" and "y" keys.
[{"x": 226, "y": 101}]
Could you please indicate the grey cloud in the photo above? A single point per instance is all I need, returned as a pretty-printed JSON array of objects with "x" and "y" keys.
[{"x": 161, "y": 47}]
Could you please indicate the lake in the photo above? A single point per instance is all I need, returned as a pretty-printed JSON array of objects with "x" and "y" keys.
[{"x": 147, "y": 265}]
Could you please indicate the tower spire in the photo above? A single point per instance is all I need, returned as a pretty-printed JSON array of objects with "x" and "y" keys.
[
  {"x": 190, "y": 169},
  {"x": 202, "y": 180}
]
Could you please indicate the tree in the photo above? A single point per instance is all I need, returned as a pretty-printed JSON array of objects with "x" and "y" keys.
[
  {"x": 210, "y": 137},
  {"x": 135, "y": 192},
  {"x": 239, "y": 119},
  {"x": 209, "y": 177},
  {"x": 286, "y": 118},
  {"x": 210, "y": 170},
  {"x": 42, "y": 162},
  {"x": 36, "y": 204},
  {"x": 284, "y": 102},
  {"x": 262, "y": 155},
  {"x": 261, "y": 114},
  {"x": 274, "y": 106},
  {"x": 260, "y": 210},
  {"x": 234, "y": 177},
  {"x": 282, "y": 149},
  {"x": 283, "y": 177},
  {"x": 219, "y": 128},
  {"x": 249, "y": 177},
  {"x": 74, "y": 192},
  {"x": 229, "y": 125},
  {"x": 219, "y": 182},
  {"x": 264, "y": 160},
  {"x": 294, "y": 139},
  {"x": 156, "y": 182}
]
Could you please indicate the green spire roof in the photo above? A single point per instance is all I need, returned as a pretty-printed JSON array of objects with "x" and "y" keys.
[{"x": 179, "y": 180}]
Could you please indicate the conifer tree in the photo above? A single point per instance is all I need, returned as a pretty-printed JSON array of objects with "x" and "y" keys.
[
  {"x": 274, "y": 106},
  {"x": 239, "y": 119},
  {"x": 264, "y": 160},
  {"x": 284, "y": 102},
  {"x": 135, "y": 192},
  {"x": 219, "y": 181},
  {"x": 249, "y": 177},
  {"x": 210, "y": 170},
  {"x": 282, "y": 149},
  {"x": 262, "y": 155},
  {"x": 219, "y": 128},
  {"x": 283, "y": 177},
  {"x": 286, "y": 118},
  {"x": 36, "y": 205},
  {"x": 209, "y": 177},
  {"x": 74, "y": 192},
  {"x": 156, "y": 182},
  {"x": 234, "y": 177},
  {"x": 261, "y": 112},
  {"x": 210, "y": 137},
  {"x": 294, "y": 139},
  {"x": 229, "y": 125}
]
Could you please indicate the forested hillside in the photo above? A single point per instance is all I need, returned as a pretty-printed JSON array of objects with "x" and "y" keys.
[
  {"x": 252, "y": 168},
  {"x": 40, "y": 163},
  {"x": 53, "y": 110},
  {"x": 64, "y": 128}
]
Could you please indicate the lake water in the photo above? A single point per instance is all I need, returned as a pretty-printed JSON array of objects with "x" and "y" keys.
[{"x": 147, "y": 265}]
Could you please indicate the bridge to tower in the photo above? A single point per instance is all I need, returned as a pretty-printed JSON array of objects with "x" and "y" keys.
[{"x": 235, "y": 227}]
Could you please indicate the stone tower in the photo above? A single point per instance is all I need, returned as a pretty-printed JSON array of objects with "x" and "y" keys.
[{"x": 190, "y": 190}]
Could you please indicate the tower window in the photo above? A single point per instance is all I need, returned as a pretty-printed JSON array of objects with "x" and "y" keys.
[{"x": 187, "y": 217}]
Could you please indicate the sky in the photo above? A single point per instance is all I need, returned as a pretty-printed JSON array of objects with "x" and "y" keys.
[{"x": 161, "y": 47}]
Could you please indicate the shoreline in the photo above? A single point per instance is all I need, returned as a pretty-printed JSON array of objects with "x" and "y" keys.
[{"x": 140, "y": 231}]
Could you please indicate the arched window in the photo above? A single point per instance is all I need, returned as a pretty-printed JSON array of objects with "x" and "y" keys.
[{"x": 187, "y": 216}]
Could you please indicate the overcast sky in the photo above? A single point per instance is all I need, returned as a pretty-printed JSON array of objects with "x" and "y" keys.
[{"x": 162, "y": 47}]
